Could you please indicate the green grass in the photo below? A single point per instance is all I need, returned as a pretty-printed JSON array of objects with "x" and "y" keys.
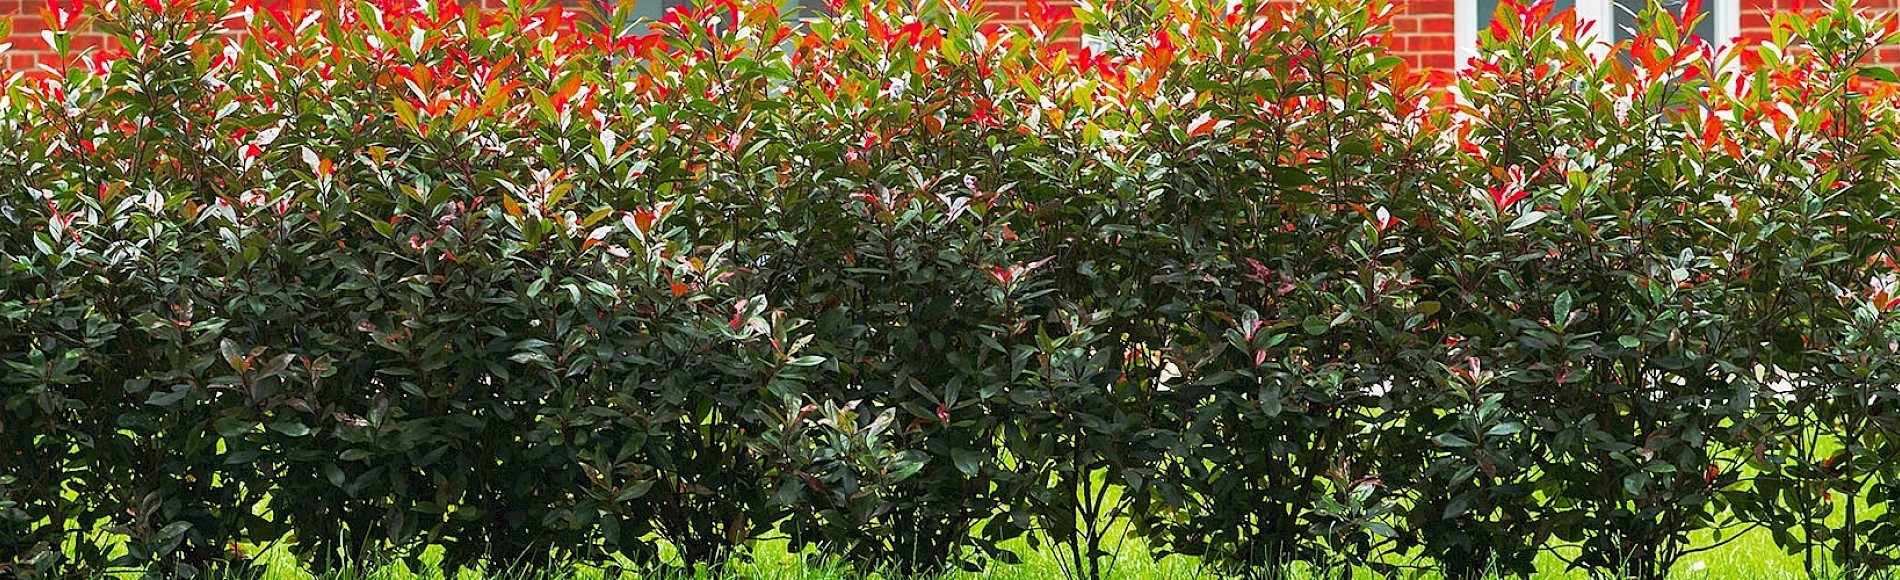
[{"x": 1753, "y": 556}]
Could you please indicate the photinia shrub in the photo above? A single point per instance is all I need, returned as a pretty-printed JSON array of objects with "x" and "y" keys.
[{"x": 895, "y": 283}]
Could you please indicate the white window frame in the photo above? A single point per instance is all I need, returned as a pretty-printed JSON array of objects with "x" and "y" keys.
[
  {"x": 1726, "y": 16},
  {"x": 805, "y": 15}
]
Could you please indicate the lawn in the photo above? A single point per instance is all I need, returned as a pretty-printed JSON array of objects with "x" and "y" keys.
[{"x": 1754, "y": 556}]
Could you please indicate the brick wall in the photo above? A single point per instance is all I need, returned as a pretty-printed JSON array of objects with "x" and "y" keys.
[
  {"x": 1423, "y": 31},
  {"x": 1008, "y": 11},
  {"x": 29, "y": 47}
]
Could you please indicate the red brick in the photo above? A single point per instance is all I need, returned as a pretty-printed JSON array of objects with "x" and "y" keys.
[
  {"x": 29, "y": 43},
  {"x": 1443, "y": 60},
  {"x": 1431, "y": 7},
  {"x": 1438, "y": 43},
  {"x": 90, "y": 41},
  {"x": 28, "y": 24},
  {"x": 1442, "y": 24}
]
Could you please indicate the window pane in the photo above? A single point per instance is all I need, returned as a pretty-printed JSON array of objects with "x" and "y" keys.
[
  {"x": 1626, "y": 11},
  {"x": 654, "y": 9},
  {"x": 1488, "y": 7},
  {"x": 811, "y": 8}
]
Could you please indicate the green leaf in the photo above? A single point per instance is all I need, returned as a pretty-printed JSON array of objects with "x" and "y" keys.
[
  {"x": 967, "y": 460},
  {"x": 1502, "y": 429},
  {"x": 1457, "y": 506},
  {"x": 233, "y": 355},
  {"x": 168, "y": 398},
  {"x": 232, "y": 428},
  {"x": 1452, "y": 440},
  {"x": 636, "y": 491},
  {"x": 290, "y": 428},
  {"x": 1634, "y": 483},
  {"x": 1527, "y": 220},
  {"x": 405, "y": 114},
  {"x": 1316, "y": 325},
  {"x": 334, "y": 475},
  {"x": 1878, "y": 73}
]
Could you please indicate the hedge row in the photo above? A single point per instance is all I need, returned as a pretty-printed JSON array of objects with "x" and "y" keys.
[{"x": 903, "y": 285}]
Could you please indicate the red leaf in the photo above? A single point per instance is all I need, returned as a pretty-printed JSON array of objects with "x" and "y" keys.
[
  {"x": 914, "y": 32},
  {"x": 1384, "y": 220},
  {"x": 1045, "y": 17},
  {"x": 1202, "y": 125},
  {"x": 1511, "y": 192},
  {"x": 1690, "y": 10}
]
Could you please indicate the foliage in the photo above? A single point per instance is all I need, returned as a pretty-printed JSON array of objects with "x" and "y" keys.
[{"x": 905, "y": 285}]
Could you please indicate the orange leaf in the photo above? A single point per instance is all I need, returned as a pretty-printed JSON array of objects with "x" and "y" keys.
[{"x": 1203, "y": 125}]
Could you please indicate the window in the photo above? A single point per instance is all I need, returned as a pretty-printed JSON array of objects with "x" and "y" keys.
[
  {"x": 654, "y": 9},
  {"x": 1624, "y": 14},
  {"x": 1616, "y": 19}
]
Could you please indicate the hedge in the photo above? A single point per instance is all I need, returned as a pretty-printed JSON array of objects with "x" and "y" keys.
[{"x": 905, "y": 285}]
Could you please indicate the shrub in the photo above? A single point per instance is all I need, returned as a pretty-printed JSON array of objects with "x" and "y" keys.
[{"x": 904, "y": 285}]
